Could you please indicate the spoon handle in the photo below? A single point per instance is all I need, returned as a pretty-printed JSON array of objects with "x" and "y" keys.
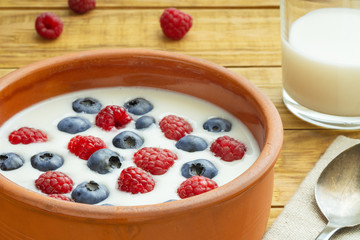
[{"x": 327, "y": 232}]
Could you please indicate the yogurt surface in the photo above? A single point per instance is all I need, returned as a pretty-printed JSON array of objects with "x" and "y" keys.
[{"x": 47, "y": 114}]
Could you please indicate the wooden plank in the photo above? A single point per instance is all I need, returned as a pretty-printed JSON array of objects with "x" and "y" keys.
[
  {"x": 245, "y": 37},
  {"x": 142, "y": 3},
  {"x": 3, "y": 72},
  {"x": 274, "y": 213}
]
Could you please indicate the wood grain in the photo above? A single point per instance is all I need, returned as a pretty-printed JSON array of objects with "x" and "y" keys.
[
  {"x": 142, "y": 3},
  {"x": 274, "y": 213},
  {"x": 229, "y": 38}
]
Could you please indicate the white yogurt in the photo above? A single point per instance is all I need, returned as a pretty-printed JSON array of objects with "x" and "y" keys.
[
  {"x": 47, "y": 114},
  {"x": 321, "y": 61}
]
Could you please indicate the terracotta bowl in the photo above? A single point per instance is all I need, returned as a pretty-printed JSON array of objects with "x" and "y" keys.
[{"x": 237, "y": 210}]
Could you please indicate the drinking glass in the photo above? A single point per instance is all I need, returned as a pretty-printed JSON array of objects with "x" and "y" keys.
[{"x": 321, "y": 61}]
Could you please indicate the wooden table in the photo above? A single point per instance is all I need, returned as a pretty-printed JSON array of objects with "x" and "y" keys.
[{"x": 241, "y": 35}]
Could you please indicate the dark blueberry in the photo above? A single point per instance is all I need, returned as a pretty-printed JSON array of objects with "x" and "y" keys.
[
  {"x": 138, "y": 106},
  {"x": 128, "y": 140},
  {"x": 10, "y": 161},
  {"x": 73, "y": 125},
  {"x": 104, "y": 161},
  {"x": 89, "y": 192},
  {"x": 217, "y": 125},
  {"x": 86, "y": 105},
  {"x": 199, "y": 167},
  {"x": 46, "y": 161},
  {"x": 144, "y": 122},
  {"x": 191, "y": 143}
]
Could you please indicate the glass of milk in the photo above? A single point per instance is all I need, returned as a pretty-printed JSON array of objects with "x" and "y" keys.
[{"x": 321, "y": 61}]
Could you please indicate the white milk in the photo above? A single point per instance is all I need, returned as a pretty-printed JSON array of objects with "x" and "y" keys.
[
  {"x": 321, "y": 61},
  {"x": 47, "y": 114}
]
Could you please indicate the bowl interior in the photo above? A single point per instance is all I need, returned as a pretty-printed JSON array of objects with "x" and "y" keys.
[{"x": 157, "y": 69}]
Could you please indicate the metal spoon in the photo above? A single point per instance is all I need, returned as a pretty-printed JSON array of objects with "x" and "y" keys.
[{"x": 337, "y": 192}]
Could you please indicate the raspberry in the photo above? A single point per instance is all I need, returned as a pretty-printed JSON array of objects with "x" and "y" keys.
[
  {"x": 157, "y": 161},
  {"x": 48, "y": 25},
  {"x": 52, "y": 182},
  {"x": 81, "y": 6},
  {"x": 112, "y": 116},
  {"x": 135, "y": 180},
  {"x": 85, "y": 146},
  {"x": 175, "y": 23},
  {"x": 174, "y": 127},
  {"x": 195, "y": 186},
  {"x": 228, "y": 149},
  {"x": 60, "y": 197},
  {"x": 26, "y": 135}
]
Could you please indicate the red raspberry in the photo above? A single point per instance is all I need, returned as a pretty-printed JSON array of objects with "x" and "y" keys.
[
  {"x": 175, "y": 23},
  {"x": 26, "y": 135},
  {"x": 228, "y": 149},
  {"x": 48, "y": 25},
  {"x": 81, "y": 6},
  {"x": 85, "y": 146},
  {"x": 112, "y": 116},
  {"x": 195, "y": 185},
  {"x": 52, "y": 182},
  {"x": 157, "y": 161},
  {"x": 174, "y": 127},
  {"x": 135, "y": 180},
  {"x": 60, "y": 197}
]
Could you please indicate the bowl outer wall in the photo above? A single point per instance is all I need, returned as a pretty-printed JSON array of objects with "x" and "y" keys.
[{"x": 122, "y": 67}]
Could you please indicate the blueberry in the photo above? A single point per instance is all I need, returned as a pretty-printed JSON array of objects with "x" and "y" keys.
[
  {"x": 138, "y": 106},
  {"x": 46, "y": 161},
  {"x": 144, "y": 122},
  {"x": 10, "y": 161},
  {"x": 89, "y": 192},
  {"x": 191, "y": 143},
  {"x": 128, "y": 140},
  {"x": 217, "y": 125},
  {"x": 199, "y": 167},
  {"x": 104, "y": 161},
  {"x": 73, "y": 125},
  {"x": 86, "y": 105}
]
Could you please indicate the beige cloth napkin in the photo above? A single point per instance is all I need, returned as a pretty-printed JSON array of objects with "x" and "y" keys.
[{"x": 301, "y": 218}]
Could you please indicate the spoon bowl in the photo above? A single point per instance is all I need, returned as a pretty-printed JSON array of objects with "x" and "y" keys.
[{"x": 337, "y": 192}]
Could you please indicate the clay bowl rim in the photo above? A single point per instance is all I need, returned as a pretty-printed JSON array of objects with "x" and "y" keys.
[{"x": 261, "y": 167}]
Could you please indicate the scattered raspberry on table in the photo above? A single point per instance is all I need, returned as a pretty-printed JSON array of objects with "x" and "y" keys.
[
  {"x": 81, "y": 6},
  {"x": 195, "y": 185},
  {"x": 156, "y": 161},
  {"x": 26, "y": 135},
  {"x": 112, "y": 116},
  {"x": 228, "y": 149},
  {"x": 48, "y": 25},
  {"x": 175, "y": 23},
  {"x": 135, "y": 180},
  {"x": 85, "y": 146},
  {"x": 174, "y": 127},
  {"x": 52, "y": 182}
]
